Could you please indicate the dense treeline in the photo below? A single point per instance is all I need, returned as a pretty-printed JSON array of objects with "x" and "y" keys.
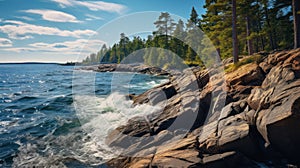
[
  {"x": 163, "y": 37},
  {"x": 235, "y": 28},
  {"x": 262, "y": 25}
]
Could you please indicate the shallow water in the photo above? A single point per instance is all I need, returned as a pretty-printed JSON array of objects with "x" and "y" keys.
[{"x": 53, "y": 116}]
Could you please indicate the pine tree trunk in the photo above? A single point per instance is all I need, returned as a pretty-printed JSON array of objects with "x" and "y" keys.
[
  {"x": 260, "y": 28},
  {"x": 234, "y": 33},
  {"x": 296, "y": 10},
  {"x": 256, "y": 44},
  {"x": 249, "y": 41},
  {"x": 269, "y": 26}
]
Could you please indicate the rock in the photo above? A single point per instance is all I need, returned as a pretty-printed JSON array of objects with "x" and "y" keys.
[
  {"x": 180, "y": 153},
  {"x": 238, "y": 92},
  {"x": 265, "y": 67},
  {"x": 277, "y": 76},
  {"x": 227, "y": 159},
  {"x": 229, "y": 134},
  {"x": 276, "y": 103},
  {"x": 130, "y": 96},
  {"x": 179, "y": 158},
  {"x": 122, "y": 136},
  {"x": 255, "y": 98},
  {"x": 294, "y": 61},
  {"x": 253, "y": 119},
  {"x": 138, "y": 68},
  {"x": 156, "y": 95},
  {"x": 236, "y": 134},
  {"x": 249, "y": 74},
  {"x": 232, "y": 109},
  {"x": 279, "y": 123},
  {"x": 145, "y": 162}
]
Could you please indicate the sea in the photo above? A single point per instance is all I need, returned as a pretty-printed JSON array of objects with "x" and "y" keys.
[{"x": 59, "y": 116}]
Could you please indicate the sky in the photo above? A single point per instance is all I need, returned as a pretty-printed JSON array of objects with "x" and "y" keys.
[{"x": 67, "y": 30}]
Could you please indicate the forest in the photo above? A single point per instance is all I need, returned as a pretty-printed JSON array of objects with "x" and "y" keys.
[{"x": 235, "y": 28}]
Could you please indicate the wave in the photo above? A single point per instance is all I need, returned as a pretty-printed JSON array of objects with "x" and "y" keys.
[
  {"x": 146, "y": 85},
  {"x": 80, "y": 142}
]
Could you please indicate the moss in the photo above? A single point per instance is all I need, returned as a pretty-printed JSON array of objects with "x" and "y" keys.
[{"x": 251, "y": 59}]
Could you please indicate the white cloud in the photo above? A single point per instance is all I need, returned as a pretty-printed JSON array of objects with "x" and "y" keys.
[
  {"x": 92, "y": 17},
  {"x": 82, "y": 46},
  {"x": 54, "y": 16},
  {"x": 5, "y": 42},
  {"x": 20, "y": 30},
  {"x": 25, "y": 18},
  {"x": 16, "y": 22},
  {"x": 18, "y": 50},
  {"x": 63, "y": 3},
  {"x": 93, "y": 5}
]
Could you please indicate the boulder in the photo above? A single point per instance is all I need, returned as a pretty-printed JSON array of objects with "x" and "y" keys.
[
  {"x": 279, "y": 124},
  {"x": 227, "y": 159},
  {"x": 229, "y": 134},
  {"x": 156, "y": 95},
  {"x": 249, "y": 74}
]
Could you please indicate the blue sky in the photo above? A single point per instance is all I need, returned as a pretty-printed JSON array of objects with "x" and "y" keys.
[{"x": 56, "y": 30}]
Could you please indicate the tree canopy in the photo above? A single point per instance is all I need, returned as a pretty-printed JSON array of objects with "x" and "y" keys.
[{"x": 234, "y": 28}]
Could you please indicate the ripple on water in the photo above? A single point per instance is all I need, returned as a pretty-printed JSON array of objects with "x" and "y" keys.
[{"x": 40, "y": 127}]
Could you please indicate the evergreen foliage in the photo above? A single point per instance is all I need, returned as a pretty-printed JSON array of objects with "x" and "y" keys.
[{"x": 261, "y": 25}]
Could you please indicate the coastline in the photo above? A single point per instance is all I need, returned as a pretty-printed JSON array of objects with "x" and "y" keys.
[
  {"x": 135, "y": 68},
  {"x": 257, "y": 125}
]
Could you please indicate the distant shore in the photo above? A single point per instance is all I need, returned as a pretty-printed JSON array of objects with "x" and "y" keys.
[
  {"x": 138, "y": 68},
  {"x": 47, "y": 63},
  {"x": 9, "y": 63}
]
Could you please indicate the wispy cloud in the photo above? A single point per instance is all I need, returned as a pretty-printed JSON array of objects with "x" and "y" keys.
[
  {"x": 5, "y": 42},
  {"x": 16, "y": 22},
  {"x": 18, "y": 49},
  {"x": 25, "y": 18},
  {"x": 93, "y": 5},
  {"x": 20, "y": 30},
  {"x": 54, "y": 16},
  {"x": 82, "y": 46},
  {"x": 92, "y": 17},
  {"x": 64, "y": 3}
]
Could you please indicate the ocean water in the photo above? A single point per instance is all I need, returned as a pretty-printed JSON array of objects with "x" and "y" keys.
[{"x": 55, "y": 116}]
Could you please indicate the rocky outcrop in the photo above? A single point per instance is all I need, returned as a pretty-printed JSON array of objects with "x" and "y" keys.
[
  {"x": 246, "y": 118},
  {"x": 138, "y": 68}
]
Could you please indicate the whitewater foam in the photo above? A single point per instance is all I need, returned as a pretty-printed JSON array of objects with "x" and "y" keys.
[{"x": 83, "y": 145}]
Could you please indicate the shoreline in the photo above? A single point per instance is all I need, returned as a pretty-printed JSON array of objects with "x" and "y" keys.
[
  {"x": 247, "y": 131},
  {"x": 134, "y": 68}
]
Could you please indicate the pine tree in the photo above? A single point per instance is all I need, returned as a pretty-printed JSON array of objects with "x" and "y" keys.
[
  {"x": 190, "y": 55},
  {"x": 234, "y": 33},
  {"x": 177, "y": 41},
  {"x": 179, "y": 31},
  {"x": 165, "y": 26},
  {"x": 280, "y": 19},
  {"x": 194, "y": 19},
  {"x": 217, "y": 25},
  {"x": 124, "y": 47}
]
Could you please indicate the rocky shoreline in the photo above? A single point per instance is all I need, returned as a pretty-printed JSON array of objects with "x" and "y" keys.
[
  {"x": 136, "y": 68},
  {"x": 258, "y": 125}
]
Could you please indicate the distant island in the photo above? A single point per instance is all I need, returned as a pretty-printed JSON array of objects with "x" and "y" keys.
[{"x": 69, "y": 64}]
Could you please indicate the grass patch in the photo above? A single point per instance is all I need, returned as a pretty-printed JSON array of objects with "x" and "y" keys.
[{"x": 251, "y": 59}]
